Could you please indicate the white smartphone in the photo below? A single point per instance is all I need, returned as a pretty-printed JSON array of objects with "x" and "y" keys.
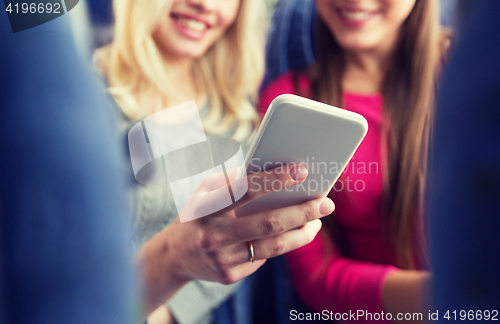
[{"x": 300, "y": 130}]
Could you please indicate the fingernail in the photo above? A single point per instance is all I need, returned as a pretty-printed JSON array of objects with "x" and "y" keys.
[
  {"x": 298, "y": 173},
  {"x": 326, "y": 207}
]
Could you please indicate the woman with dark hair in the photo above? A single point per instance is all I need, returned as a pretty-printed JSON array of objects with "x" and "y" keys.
[{"x": 379, "y": 59}]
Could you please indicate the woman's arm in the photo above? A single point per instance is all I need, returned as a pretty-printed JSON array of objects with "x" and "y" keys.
[
  {"x": 156, "y": 263},
  {"x": 328, "y": 281},
  {"x": 407, "y": 292},
  {"x": 215, "y": 247},
  {"x": 161, "y": 315}
]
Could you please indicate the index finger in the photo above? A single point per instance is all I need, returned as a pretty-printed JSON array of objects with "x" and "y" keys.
[{"x": 278, "y": 221}]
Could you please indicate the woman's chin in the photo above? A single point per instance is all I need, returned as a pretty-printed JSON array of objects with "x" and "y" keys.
[
  {"x": 355, "y": 45},
  {"x": 186, "y": 53}
]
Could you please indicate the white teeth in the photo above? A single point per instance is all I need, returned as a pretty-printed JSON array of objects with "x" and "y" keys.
[
  {"x": 193, "y": 24},
  {"x": 356, "y": 15}
]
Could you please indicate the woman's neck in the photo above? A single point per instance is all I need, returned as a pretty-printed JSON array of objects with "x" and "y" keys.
[
  {"x": 185, "y": 85},
  {"x": 365, "y": 70}
]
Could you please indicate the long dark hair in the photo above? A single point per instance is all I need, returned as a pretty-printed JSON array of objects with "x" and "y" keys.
[{"x": 408, "y": 91}]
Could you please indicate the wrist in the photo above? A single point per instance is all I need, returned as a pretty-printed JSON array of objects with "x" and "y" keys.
[
  {"x": 161, "y": 316},
  {"x": 170, "y": 250},
  {"x": 161, "y": 272},
  {"x": 406, "y": 291}
]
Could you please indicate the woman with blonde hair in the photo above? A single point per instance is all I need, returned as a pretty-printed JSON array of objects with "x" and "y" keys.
[{"x": 168, "y": 52}]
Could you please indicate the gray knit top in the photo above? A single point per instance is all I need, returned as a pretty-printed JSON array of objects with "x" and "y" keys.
[{"x": 153, "y": 209}]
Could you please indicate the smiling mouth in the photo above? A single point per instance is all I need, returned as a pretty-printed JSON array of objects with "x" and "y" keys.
[
  {"x": 355, "y": 16},
  {"x": 190, "y": 23}
]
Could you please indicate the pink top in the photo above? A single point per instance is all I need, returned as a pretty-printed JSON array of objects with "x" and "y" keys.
[{"x": 325, "y": 279}]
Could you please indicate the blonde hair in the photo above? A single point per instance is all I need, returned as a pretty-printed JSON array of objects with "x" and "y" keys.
[{"x": 229, "y": 74}]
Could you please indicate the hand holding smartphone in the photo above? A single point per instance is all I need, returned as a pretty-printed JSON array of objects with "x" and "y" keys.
[{"x": 321, "y": 137}]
